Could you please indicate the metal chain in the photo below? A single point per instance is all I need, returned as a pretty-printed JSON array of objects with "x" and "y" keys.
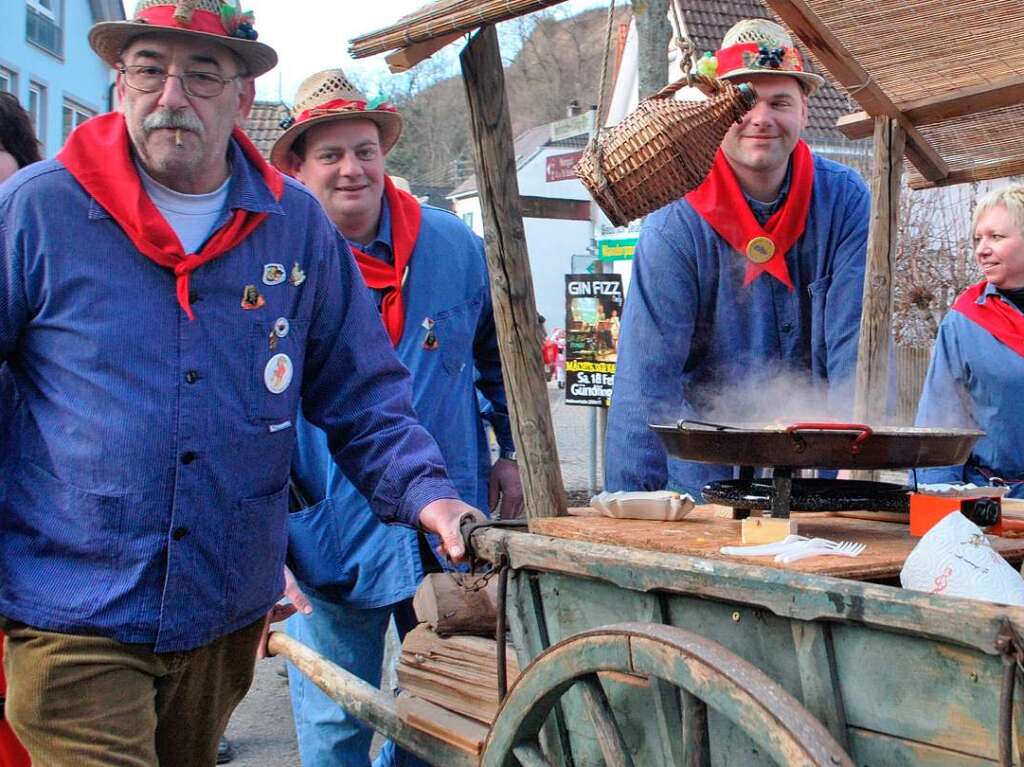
[
  {"x": 472, "y": 581},
  {"x": 682, "y": 41}
]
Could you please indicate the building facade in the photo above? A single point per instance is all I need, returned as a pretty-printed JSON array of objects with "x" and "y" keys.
[
  {"x": 46, "y": 61},
  {"x": 556, "y": 208}
]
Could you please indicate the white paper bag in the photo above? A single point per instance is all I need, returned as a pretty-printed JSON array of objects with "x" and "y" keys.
[{"x": 955, "y": 558}]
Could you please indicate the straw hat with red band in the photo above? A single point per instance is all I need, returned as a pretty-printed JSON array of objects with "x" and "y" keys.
[
  {"x": 330, "y": 95},
  {"x": 758, "y": 47},
  {"x": 214, "y": 20}
]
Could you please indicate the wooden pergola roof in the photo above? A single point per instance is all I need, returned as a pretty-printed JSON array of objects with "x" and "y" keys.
[{"x": 950, "y": 72}]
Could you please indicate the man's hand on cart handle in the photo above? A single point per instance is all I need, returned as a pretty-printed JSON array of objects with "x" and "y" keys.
[
  {"x": 297, "y": 602},
  {"x": 444, "y": 517}
]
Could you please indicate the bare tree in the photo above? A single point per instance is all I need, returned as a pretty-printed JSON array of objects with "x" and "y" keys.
[
  {"x": 935, "y": 259},
  {"x": 552, "y": 60},
  {"x": 654, "y": 33}
]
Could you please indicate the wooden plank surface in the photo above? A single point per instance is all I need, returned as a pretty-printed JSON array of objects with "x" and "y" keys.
[
  {"x": 465, "y": 734},
  {"x": 457, "y": 673},
  {"x": 702, "y": 534}
]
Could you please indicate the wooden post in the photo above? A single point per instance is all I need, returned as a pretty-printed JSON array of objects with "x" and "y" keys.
[
  {"x": 515, "y": 309},
  {"x": 876, "y": 321}
]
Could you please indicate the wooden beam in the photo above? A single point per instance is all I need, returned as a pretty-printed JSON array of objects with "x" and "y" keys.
[
  {"x": 515, "y": 308},
  {"x": 554, "y": 208},
  {"x": 405, "y": 59},
  {"x": 844, "y": 67},
  {"x": 366, "y": 703},
  {"x": 876, "y": 319},
  {"x": 928, "y": 111},
  {"x": 1014, "y": 167}
]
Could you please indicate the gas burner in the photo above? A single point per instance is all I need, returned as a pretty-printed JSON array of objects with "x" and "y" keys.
[{"x": 783, "y": 494}]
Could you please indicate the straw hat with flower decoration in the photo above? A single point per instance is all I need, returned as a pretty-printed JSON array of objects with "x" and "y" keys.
[
  {"x": 330, "y": 95},
  {"x": 757, "y": 47},
  {"x": 213, "y": 20}
]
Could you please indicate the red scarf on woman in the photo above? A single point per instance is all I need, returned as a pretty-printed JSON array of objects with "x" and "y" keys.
[
  {"x": 98, "y": 155},
  {"x": 720, "y": 201},
  {"x": 995, "y": 315},
  {"x": 380, "y": 275}
]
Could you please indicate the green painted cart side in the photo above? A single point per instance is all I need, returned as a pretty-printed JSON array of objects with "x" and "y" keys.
[{"x": 649, "y": 659}]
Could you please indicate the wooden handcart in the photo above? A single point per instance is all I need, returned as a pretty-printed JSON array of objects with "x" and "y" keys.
[{"x": 635, "y": 657}]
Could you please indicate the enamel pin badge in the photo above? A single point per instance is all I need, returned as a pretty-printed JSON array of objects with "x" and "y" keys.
[
  {"x": 760, "y": 250},
  {"x": 430, "y": 342},
  {"x": 297, "y": 276},
  {"x": 273, "y": 274},
  {"x": 251, "y": 298},
  {"x": 277, "y": 375}
]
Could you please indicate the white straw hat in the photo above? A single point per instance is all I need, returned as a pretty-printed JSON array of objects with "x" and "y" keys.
[
  {"x": 330, "y": 95},
  {"x": 761, "y": 47}
]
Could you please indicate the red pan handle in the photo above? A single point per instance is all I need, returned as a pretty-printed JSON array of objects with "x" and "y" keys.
[{"x": 855, "y": 446}]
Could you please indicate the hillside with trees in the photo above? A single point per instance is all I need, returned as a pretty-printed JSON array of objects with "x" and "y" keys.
[{"x": 556, "y": 60}]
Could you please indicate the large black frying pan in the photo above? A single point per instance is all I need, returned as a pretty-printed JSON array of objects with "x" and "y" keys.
[{"x": 817, "y": 445}]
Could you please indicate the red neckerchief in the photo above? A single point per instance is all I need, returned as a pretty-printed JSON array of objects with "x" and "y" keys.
[
  {"x": 98, "y": 155},
  {"x": 994, "y": 314},
  {"x": 720, "y": 201},
  {"x": 380, "y": 275}
]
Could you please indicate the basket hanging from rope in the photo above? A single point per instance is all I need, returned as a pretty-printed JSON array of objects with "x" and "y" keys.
[{"x": 662, "y": 150}]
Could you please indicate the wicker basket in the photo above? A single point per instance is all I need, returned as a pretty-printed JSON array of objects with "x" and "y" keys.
[{"x": 662, "y": 150}]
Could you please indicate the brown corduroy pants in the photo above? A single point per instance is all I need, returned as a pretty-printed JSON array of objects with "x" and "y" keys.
[{"x": 78, "y": 701}]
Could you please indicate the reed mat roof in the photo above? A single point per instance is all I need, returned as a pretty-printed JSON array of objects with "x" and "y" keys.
[
  {"x": 950, "y": 71},
  {"x": 441, "y": 18}
]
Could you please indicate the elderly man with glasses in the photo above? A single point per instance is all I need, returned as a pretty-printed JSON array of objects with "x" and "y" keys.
[{"x": 167, "y": 300}]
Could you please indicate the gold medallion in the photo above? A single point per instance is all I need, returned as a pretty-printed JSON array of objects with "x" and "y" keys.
[{"x": 760, "y": 249}]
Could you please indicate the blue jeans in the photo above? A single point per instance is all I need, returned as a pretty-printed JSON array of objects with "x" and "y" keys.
[{"x": 353, "y": 639}]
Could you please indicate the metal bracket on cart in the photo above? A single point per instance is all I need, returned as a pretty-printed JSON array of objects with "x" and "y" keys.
[
  {"x": 500, "y": 567},
  {"x": 1011, "y": 648}
]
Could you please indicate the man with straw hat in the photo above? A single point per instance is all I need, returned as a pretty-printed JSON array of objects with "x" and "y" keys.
[
  {"x": 746, "y": 295},
  {"x": 428, "y": 274},
  {"x": 166, "y": 296}
]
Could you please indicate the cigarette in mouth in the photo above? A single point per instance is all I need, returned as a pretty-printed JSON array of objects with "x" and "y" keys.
[{"x": 177, "y": 137}]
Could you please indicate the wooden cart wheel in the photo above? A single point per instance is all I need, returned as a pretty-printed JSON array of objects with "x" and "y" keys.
[{"x": 702, "y": 672}]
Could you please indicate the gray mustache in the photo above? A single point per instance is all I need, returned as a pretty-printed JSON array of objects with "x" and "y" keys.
[{"x": 166, "y": 118}]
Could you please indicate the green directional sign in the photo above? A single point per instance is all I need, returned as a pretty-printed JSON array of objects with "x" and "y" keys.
[{"x": 616, "y": 249}]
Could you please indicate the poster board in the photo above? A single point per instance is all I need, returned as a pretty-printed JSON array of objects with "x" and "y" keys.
[{"x": 593, "y": 315}]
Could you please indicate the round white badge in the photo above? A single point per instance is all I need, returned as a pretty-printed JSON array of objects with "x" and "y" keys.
[
  {"x": 281, "y": 327},
  {"x": 277, "y": 375},
  {"x": 274, "y": 274}
]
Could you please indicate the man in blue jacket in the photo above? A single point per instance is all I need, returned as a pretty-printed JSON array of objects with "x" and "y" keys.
[
  {"x": 428, "y": 273},
  {"x": 750, "y": 286},
  {"x": 167, "y": 299}
]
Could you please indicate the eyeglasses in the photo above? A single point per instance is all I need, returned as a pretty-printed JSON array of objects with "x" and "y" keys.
[{"x": 148, "y": 79}]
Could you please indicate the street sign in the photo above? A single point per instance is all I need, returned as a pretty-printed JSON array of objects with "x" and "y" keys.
[
  {"x": 560, "y": 167},
  {"x": 570, "y": 127},
  {"x": 617, "y": 248}
]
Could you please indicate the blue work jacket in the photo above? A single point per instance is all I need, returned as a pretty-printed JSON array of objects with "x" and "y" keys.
[
  {"x": 690, "y": 329},
  {"x": 337, "y": 546},
  {"x": 975, "y": 381},
  {"x": 143, "y": 487}
]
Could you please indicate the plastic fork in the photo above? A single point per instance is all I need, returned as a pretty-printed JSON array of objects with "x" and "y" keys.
[
  {"x": 841, "y": 549},
  {"x": 766, "y": 549}
]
